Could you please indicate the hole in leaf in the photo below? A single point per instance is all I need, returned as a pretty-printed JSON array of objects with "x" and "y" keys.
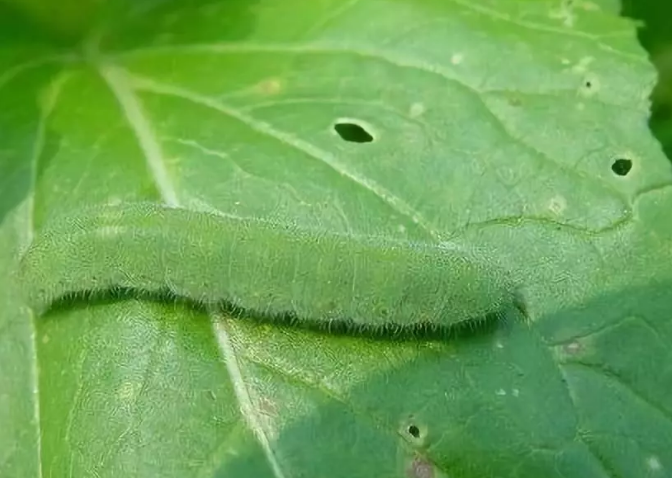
[
  {"x": 621, "y": 166},
  {"x": 414, "y": 431},
  {"x": 352, "y": 132}
]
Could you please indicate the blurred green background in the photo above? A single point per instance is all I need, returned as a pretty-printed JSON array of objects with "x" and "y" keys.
[{"x": 655, "y": 34}]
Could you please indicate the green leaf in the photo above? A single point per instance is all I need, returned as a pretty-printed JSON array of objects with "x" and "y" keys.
[
  {"x": 64, "y": 21},
  {"x": 498, "y": 122}
]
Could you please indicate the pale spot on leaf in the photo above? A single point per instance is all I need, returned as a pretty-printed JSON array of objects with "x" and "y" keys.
[
  {"x": 582, "y": 65},
  {"x": 557, "y": 205},
  {"x": 270, "y": 87},
  {"x": 564, "y": 13},
  {"x": 128, "y": 391},
  {"x": 417, "y": 109},
  {"x": 653, "y": 463},
  {"x": 420, "y": 467}
]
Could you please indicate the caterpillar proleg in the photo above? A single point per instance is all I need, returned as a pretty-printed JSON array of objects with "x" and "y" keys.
[{"x": 267, "y": 268}]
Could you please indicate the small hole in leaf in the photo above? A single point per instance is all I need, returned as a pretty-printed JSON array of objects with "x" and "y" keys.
[
  {"x": 352, "y": 132},
  {"x": 621, "y": 166},
  {"x": 414, "y": 431},
  {"x": 589, "y": 84}
]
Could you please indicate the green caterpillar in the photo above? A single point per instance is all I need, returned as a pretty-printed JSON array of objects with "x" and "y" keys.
[{"x": 266, "y": 268}]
